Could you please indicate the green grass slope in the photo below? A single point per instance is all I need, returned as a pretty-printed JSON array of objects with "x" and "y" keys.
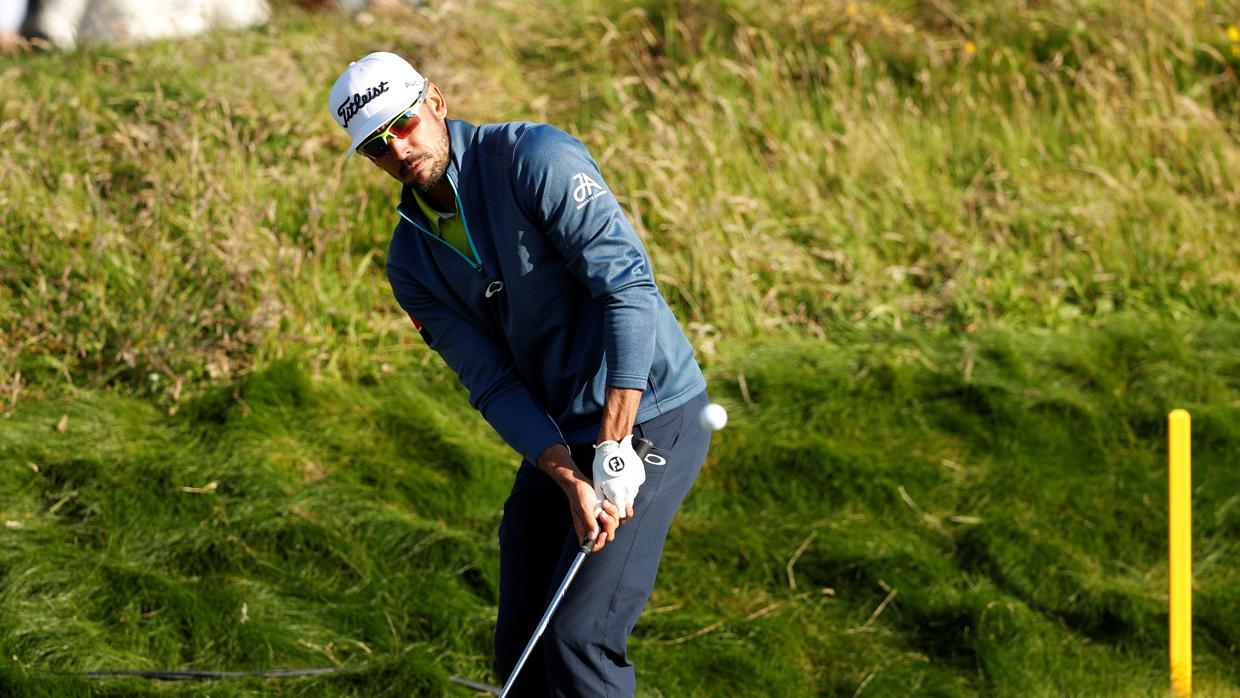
[
  {"x": 948, "y": 264},
  {"x": 888, "y": 513}
]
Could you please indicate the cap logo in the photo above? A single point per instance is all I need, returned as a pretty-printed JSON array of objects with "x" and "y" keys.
[{"x": 351, "y": 106}]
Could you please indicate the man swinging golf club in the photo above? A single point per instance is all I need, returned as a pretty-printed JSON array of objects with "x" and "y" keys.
[{"x": 517, "y": 265}]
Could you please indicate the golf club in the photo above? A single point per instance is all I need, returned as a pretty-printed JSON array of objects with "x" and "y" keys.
[{"x": 642, "y": 447}]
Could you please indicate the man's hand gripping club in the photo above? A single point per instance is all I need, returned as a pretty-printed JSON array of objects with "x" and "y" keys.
[
  {"x": 589, "y": 510},
  {"x": 591, "y": 505}
]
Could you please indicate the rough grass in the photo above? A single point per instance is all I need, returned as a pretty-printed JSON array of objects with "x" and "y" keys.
[
  {"x": 887, "y": 513},
  {"x": 948, "y": 264}
]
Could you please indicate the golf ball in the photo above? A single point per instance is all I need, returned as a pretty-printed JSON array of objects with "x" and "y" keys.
[{"x": 713, "y": 417}]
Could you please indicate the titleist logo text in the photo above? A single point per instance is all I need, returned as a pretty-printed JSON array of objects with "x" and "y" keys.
[{"x": 351, "y": 106}]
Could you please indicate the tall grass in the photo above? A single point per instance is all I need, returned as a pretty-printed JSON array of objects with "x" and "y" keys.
[{"x": 793, "y": 167}]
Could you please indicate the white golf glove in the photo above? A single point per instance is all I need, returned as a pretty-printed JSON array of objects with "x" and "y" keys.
[{"x": 618, "y": 473}]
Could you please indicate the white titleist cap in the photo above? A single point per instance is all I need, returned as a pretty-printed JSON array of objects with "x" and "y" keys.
[{"x": 371, "y": 92}]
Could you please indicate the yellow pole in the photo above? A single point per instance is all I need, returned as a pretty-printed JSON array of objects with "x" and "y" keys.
[{"x": 1179, "y": 489}]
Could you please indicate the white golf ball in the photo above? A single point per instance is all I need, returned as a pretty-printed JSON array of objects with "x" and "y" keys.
[{"x": 713, "y": 417}]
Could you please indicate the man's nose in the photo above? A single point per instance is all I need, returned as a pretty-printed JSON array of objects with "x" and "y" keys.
[{"x": 400, "y": 148}]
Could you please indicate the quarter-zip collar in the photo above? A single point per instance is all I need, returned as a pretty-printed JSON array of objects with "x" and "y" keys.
[{"x": 460, "y": 137}]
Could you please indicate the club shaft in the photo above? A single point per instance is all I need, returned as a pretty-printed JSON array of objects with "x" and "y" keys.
[{"x": 542, "y": 624}]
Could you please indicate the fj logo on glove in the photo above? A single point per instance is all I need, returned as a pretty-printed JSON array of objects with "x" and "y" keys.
[{"x": 615, "y": 465}]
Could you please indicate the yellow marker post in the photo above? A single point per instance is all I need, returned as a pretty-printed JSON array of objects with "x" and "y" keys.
[{"x": 1179, "y": 489}]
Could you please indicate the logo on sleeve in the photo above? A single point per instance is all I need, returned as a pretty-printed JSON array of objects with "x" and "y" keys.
[{"x": 587, "y": 189}]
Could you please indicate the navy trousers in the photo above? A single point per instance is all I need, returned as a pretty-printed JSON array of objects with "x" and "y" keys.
[{"x": 583, "y": 650}]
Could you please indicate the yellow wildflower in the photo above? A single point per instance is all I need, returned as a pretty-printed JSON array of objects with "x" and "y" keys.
[
  {"x": 1235, "y": 50},
  {"x": 1233, "y": 33},
  {"x": 852, "y": 10},
  {"x": 970, "y": 48}
]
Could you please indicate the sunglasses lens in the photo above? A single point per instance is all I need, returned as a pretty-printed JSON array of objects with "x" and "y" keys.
[
  {"x": 400, "y": 127},
  {"x": 404, "y": 124},
  {"x": 375, "y": 148}
]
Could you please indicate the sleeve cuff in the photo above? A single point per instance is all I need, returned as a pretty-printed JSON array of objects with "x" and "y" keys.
[{"x": 626, "y": 381}]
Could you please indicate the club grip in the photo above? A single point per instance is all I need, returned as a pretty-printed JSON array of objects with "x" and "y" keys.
[{"x": 643, "y": 446}]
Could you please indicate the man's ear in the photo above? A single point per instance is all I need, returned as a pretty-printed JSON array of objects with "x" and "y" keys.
[{"x": 436, "y": 101}]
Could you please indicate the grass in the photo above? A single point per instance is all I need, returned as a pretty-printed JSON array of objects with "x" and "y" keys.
[
  {"x": 978, "y": 515},
  {"x": 948, "y": 265}
]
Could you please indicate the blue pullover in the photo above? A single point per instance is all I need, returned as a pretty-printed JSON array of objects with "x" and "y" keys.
[{"x": 556, "y": 301}]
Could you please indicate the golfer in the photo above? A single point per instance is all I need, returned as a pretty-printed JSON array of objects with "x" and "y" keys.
[{"x": 517, "y": 265}]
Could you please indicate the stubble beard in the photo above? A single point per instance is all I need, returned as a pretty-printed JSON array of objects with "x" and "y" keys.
[{"x": 436, "y": 168}]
